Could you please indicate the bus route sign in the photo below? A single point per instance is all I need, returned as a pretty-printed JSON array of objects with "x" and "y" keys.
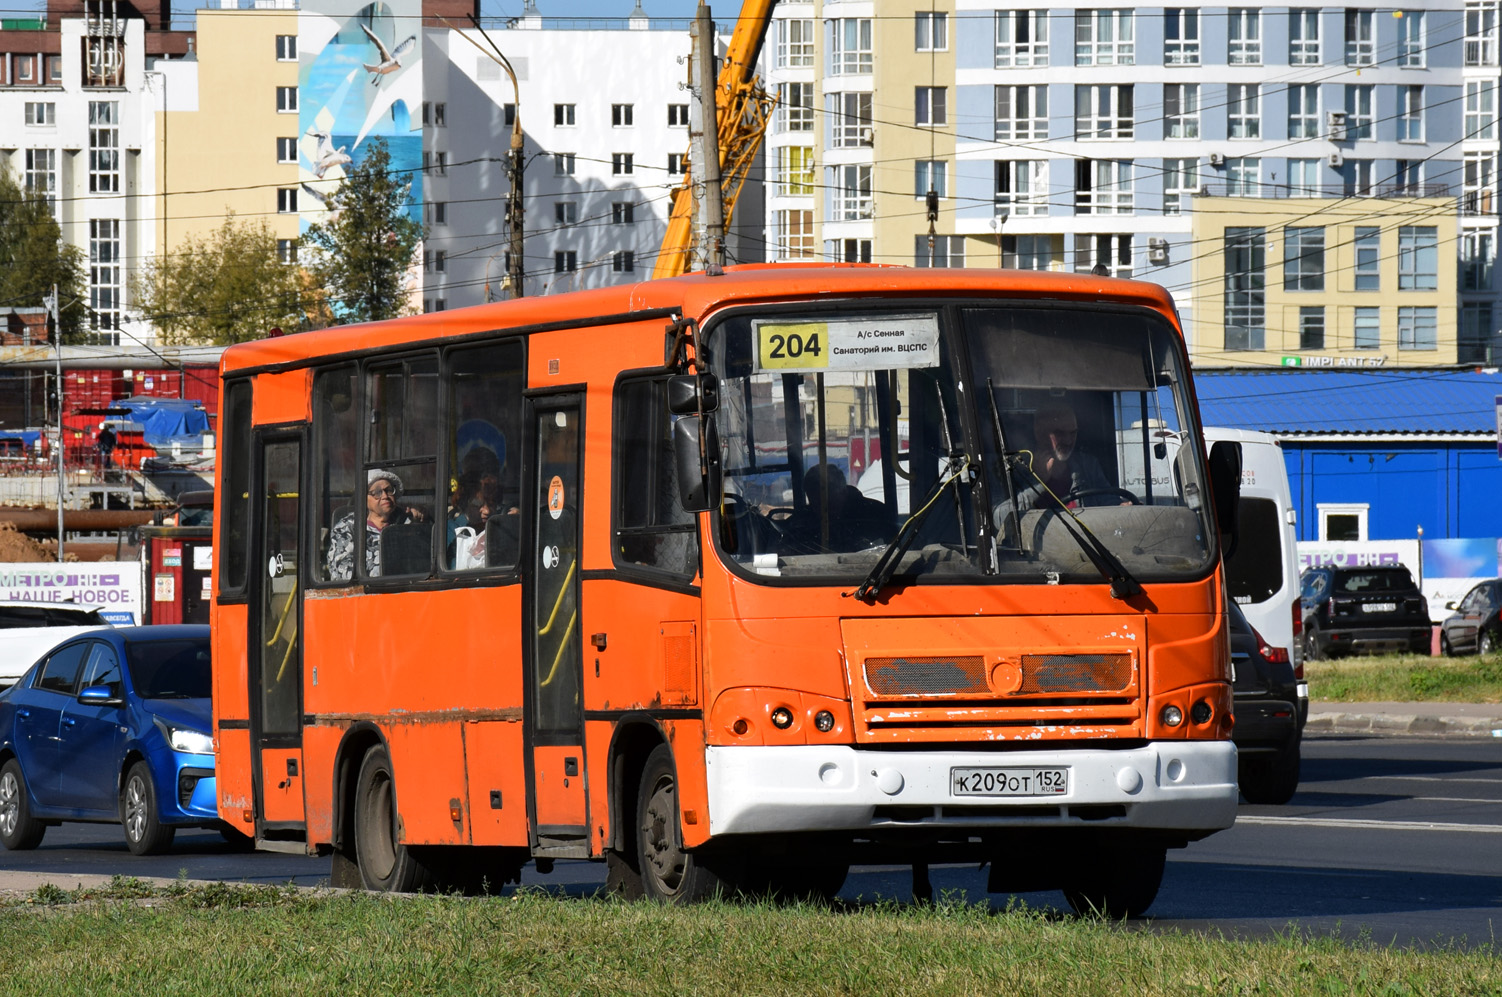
[{"x": 895, "y": 341}]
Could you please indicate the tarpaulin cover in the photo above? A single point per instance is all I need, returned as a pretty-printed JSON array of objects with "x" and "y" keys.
[{"x": 166, "y": 421}]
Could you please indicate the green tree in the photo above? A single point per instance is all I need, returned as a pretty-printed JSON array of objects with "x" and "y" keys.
[
  {"x": 33, "y": 257},
  {"x": 368, "y": 242},
  {"x": 228, "y": 287}
]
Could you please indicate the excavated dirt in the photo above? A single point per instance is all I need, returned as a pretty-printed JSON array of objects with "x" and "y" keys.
[{"x": 16, "y": 546}]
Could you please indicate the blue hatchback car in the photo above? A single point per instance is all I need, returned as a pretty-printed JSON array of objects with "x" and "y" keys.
[{"x": 111, "y": 726}]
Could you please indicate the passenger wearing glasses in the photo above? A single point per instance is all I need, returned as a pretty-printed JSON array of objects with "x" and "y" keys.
[{"x": 382, "y": 494}]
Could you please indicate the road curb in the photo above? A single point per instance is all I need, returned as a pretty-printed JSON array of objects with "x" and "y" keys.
[{"x": 1414, "y": 724}]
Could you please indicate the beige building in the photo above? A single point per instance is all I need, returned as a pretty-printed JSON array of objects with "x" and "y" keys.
[
  {"x": 1325, "y": 282},
  {"x": 227, "y": 128}
]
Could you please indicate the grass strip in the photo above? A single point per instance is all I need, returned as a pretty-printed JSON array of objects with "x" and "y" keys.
[
  {"x": 134, "y": 939},
  {"x": 1405, "y": 678}
]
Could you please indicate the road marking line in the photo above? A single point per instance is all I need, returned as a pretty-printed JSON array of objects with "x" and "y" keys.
[
  {"x": 1385, "y": 825},
  {"x": 1429, "y": 778},
  {"x": 1451, "y": 799}
]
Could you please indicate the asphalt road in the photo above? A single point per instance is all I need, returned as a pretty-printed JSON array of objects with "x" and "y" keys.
[{"x": 1398, "y": 839}]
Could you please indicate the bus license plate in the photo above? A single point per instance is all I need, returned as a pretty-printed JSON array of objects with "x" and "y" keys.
[{"x": 1009, "y": 782}]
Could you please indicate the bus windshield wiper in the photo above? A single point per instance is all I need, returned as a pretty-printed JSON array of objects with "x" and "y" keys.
[
  {"x": 1123, "y": 585},
  {"x": 886, "y": 565},
  {"x": 1013, "y": 522}
]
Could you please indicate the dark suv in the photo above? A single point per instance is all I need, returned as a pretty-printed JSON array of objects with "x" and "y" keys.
[
  {"x": 1362, "y": 610},
  {"x": 1272, "y": 705}
]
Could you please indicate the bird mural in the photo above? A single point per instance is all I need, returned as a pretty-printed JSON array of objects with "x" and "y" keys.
[
  {"x": 390, "y": 59},
  {"x": 326, "y": 157}
]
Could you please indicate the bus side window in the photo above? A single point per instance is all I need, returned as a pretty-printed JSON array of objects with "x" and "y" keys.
[
  {"x": 651, "y": 528},
  {"x": 336, "y": 467},
  {"x": 401, "y": 457},
  {"x": 234, "y": 535},
  {"x": 484, "y": 452}
]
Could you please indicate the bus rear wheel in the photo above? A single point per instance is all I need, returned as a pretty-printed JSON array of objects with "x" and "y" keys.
[
  {"x": 386, "y": 864},
  {"x": 1120, "y": 883},
  {"x": 669, "y": 872}
]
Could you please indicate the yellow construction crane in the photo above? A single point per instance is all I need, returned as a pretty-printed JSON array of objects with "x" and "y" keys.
[{"x": 742, "y": 109}]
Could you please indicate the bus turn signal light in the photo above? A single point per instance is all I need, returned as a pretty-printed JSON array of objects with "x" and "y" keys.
[
  {"x": 782, "y": 718},
  {"x": 1200, "y": 712},
  {"x": 824, "y": 720}
]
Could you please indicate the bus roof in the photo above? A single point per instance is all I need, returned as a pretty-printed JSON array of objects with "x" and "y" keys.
[{"x": 695, "y": 295}]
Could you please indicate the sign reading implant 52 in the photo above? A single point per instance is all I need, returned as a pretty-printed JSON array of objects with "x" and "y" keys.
[{"x": 890, "y": 341}]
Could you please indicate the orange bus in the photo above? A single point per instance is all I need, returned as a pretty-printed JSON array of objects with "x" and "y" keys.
[{"x": 863, "y": 572}]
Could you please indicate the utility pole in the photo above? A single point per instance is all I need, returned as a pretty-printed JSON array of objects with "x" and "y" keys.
[
  {"x": 54, "y": 328},
  {"x": 704, "y": 134},
  {"x": 516, "y": 160}
]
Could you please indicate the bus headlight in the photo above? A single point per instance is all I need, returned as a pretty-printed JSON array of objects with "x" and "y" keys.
[
  {"x": 782, "y": 718},
  {"x": 1171, "y": 716}
]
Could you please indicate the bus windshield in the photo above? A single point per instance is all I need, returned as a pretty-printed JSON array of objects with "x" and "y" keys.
[{"x": 1024, "y": 442}]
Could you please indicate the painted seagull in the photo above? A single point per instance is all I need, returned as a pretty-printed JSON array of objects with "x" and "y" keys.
[
  {"x": 326, "y": 157},
  {"x": 391, "y": 59}
]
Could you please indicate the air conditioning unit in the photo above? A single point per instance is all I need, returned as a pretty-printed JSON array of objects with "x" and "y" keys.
[
  {"x": 1335, "y": 124},
  {"x": 1157, "y": 252},
  {"x": 1336, "y": 160},
  {"x": 1217, "y": 159}
]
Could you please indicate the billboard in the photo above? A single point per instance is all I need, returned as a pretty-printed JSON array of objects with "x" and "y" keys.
[{"x": 114, "y": 586}]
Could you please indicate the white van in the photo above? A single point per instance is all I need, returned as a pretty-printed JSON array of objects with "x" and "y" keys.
[{"x": 29, "y": 630}]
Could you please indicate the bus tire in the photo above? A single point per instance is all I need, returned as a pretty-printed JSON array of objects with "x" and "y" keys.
[
  {"x": 386, "y": 864},
  {"x": 669, "y": 872},
  {"x": 1121, "y": 883}
]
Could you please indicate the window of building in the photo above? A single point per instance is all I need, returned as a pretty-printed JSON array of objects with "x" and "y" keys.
[
  {"x": 286, "y": 200},
  {"x": 55, "y": 69},
  {"x": 563, "y": 115},
  {"x": 440, "y": 114},
  {"x": 1411, "y": 39},
  {"x": 1479, "y": 190},
  {"x": 1368, "y": 258},
  {"x": 622, "y": 164},
  {"x": 1245, "y": 292},
  {"x": 286, "y": 150},
  {"x": 1418, "y": 328},
  {"x": 286, "y": 48},
  {"x": 1021, "y": 38},
  {"x": 563, "y": 164},
  {"x": 623, "y": 261},
  {"x": 1408, "y": 177},
  {"x": 1244, "y": 177},
  {"x": 1181, "y": 110},
  {"x": 1103, "y": 187},
  {"x": 565, "y": 260},
  {"x": 1361, "y": 48},
  {"x": 1112, "y": 251},
  {"x": 795, "y": 107},
  {"x": 1360, "y": 177},
  {"x": 1104, "y": 37},
  {"x": 1360, "y": 100},
  {"x": 1021, "y": 113},
  {"x": 795, "y": 171},
  {"x": 1181, "y": 181},
  {"x": 440, "y": 261},
  {"x": 932, "y": 105},
  {"x": 286, "y": 250},
  {"x": 1181, "y": 36},
  {"x": 849, "y": 46},
  {"x": 1032, "y": 252},
  {"x": 1303, "y": 110},
  {"x": 25, "y": 69},
  {"x": 1021, "y": 187},
  {"x": 795, "y": 235},
  {"x": 851, "y": 193},
  {"x": 1311, "y": 327},
  {"x": 677, "y": 163},
  {"x": 849, "y": 119},
  {"x": 1244, "y": 44},
  {"x": 1342, "y": 522},
  {"x": 441, "y": 162},
  {"x": 1481, "y": 32},
  {"x": 566, "y": 212},
  {"x": 41, "y": 174},
  {"x": 1418, "y": 258},
  {"x": 439, "y": 212},
  {"x": 104, "y": 147},
  {"x": 1304, "y": 177},
  {"x": 622, "y": 213},
  {"x": 1478, "y": 339},
  {"x": 929, "y": 174},
  {"x": 286, "y": 100},
  {"x": 1476, "y": 256},
  {"x": 41, "y": 114},
  {"x": 931, "y": 31},
  {"x": 622, "y": 115},
  {"x": 795, "y": 43},
  {"x": 1303, "y": 37},
  {"x": 945, "y": 251},
  {"x": 651, "y": 529},
  {"x": 105, "y": 286},
  {"x": 1366, "y": 332},
  {"x": 1103, "y": 112},
  {"x": 1410, "y": 114},
  {"x": 848, "y": 250},
  {"x": 677, "y": 115},
  {"x": 1303, "y": 259},
  {"x": 1244, "y": 110},
  {"x": 1480, "y": 110}
]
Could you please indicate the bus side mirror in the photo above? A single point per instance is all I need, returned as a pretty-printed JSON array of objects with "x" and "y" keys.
[
  {"x": 692, "y": 394},
  {"x": 1225, "y": 489},
  {"x": 696, "y": 457}
]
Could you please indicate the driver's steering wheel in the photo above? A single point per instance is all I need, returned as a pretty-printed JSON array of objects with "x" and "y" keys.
[{"x": 1087, "y": 492}]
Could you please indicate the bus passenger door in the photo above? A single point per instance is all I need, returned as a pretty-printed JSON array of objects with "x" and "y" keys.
[
  {"x": 275, "y": 653},
  {"x": 559, "y": 801}
]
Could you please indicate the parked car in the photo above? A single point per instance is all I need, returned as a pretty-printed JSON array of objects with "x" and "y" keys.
[
  {"x": 29, "y": 630},
  {"x": 1474, "y": 628},
  {"x": 111, "y": 726},
  {"x": 1272, "y": 705},
  {"x": 1363, "y": 610}
]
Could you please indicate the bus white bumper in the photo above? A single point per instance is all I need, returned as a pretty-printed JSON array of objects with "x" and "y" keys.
[{"x": 1187, "y": 785}]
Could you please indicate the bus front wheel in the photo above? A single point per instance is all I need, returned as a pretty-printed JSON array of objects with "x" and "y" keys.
[
  {"x": 1119, "y": 883},
  {"x": 386, "y": 864},
  {"x": 669, "y": 872}
]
